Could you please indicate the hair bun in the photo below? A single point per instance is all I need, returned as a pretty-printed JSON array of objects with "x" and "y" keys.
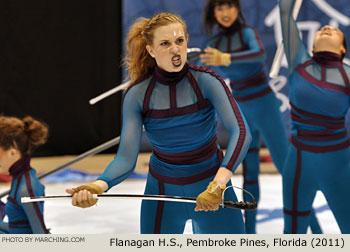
[{"x": 37, "y": 131}]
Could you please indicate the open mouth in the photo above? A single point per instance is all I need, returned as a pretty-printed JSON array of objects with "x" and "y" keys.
[
  {"x": 176, "y": 60},
  {"x": 226, "y": 19}
]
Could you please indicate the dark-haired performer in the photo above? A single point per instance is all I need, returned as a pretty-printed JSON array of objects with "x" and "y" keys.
[
  {"x": 319, "y": 156},
  {"x": 18, "y": 139},
  {"x": 177, "y": 104},
  {"x": 239, "y": 53}
]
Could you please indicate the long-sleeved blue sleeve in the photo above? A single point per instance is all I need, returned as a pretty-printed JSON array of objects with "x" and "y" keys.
[
  {"x": 256, "y": 49},
  {"x": 293, "y": 45},
  {"x": 216, "y": 91},
  {"x": 254, "y": 52},
  {"x": 130, "y": 139}
]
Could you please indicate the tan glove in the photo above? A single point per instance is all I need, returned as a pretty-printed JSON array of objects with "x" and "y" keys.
[
  {"x": 210, "y": 199},
  {"x": 214, "y": 57},
  {"x": 84, "y": 200}
]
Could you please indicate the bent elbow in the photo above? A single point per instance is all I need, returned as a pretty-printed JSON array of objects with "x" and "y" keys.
[{"x": 248, "y": 137}]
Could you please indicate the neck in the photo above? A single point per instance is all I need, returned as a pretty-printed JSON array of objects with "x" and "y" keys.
[
  {"x": 236, "y": 26},
  {"x": 20, "y": 166},
  {"x": 169, "y": 78},
  {"x": 327, "y": 58}
]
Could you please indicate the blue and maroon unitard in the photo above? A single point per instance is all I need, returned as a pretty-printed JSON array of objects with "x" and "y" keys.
[
  {"x": 178, "y": 111},
  {"x": 25, "y": 218},
  {"x": 319, "y": 156},
  {"x": 250, "y": 88}
]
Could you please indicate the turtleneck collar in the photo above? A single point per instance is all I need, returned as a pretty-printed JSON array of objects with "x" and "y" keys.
[
  {"x": 236, "y": 26},
  {"x": 327, "y": 58},
  {"x": 169, "y": 78},
  {"x": 19, "y": 167}
]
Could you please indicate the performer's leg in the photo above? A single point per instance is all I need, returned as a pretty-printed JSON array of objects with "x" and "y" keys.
[
  {"x": 273, "y": 131},
  {"x": 250, "y": 180},
  {"x": 299, "y": 190},
  {"x": 335, "y": 186},
  {"x": 222, "y": 221},
  {"x": 160, "y": 217},
  {"x": 275, "y": 138}
]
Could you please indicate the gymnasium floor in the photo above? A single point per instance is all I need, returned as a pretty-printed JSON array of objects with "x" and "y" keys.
[{"x": 119, "y": 216}]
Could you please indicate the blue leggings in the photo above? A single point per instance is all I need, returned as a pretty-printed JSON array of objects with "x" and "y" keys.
[
  {"x": 265, "y": 120},
  {"x": 168, "y": 217},
  {"x": 305, "y": 173}
]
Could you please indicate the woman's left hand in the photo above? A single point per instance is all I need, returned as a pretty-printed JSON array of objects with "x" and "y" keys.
[{"x": 210, "y": 199}]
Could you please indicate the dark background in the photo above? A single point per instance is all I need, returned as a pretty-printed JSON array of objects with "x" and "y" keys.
[{"x": 54, "y": 57}]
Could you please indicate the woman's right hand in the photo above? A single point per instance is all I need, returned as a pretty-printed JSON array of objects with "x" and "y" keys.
[{"x": 82, "y": 195}]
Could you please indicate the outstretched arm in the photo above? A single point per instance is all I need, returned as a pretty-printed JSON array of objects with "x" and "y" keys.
[
  {"x": 293, "y": 46},
  {"x": 124, "y": 163},
  {"x": 256, "y": 49}
]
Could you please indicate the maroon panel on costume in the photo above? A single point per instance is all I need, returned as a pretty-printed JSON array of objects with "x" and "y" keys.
[
  {"x": 323, "y": 137},
  {"x": 295, "y": 192},
  {"x": 189, "y": 157},
  {"x": 218, "y": 42},
  {"x": 256, "y": 80},
  {"x": 17, "y": 185},
  {"x": 186, "y": 180},
  {"x": 323, "y": 73},
  {"x": 296, "y": 213},
  {"x": 331, "y": 125},
  {"x": 319, "y": 149},
  {"x": 196, "y": 89},
  {"x": 250, "y": 182},
  {"x": 148, "y": 95},
  {"x": 12, "y": 200},
  {"x": 314, "y": 115},
  {"x": 315, "y": 132},
  {"x": 253, "y": 96},
  {"x": 253, "y": 150},
  {"x": 35, "y": 204},
  {"x": 228, "y": 43},
  {"x": 172, "y": 90},
  {"x": 160, "y": 208},
  {"x": 16, "y": 226},
  {"x": 20, "y": 222},
  {"x": 303, "y": 73}
]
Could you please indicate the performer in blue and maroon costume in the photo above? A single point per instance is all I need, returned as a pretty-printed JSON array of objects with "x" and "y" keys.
[
  {"x": 319, "y": 156},
  {"x": 239, "y": 53},
  {"x": 18, "y": 139},
  {"x": 177, "y": 104}
]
